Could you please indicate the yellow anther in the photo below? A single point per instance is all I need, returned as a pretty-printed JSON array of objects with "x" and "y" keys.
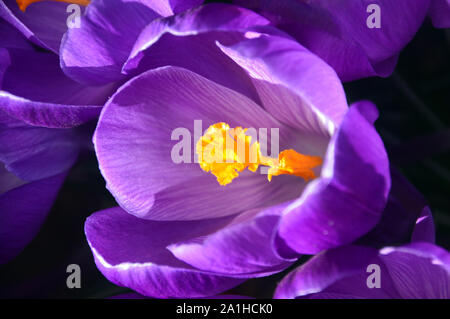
[{"x": 225, "y": 152}]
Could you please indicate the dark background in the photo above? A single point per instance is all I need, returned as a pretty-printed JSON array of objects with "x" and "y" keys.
[{"x": 414, "y": 106}]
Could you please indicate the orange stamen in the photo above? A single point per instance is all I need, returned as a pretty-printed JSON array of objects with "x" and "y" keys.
[{"x": 226, "y": 152}]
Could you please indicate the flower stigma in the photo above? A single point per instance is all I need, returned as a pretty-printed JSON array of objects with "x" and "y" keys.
[
  {"x": 23, "y": 4},
  {"x": 225, "y": 152}
]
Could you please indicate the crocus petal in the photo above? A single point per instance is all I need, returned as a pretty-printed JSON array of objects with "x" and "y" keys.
[
  {"x": 52, "y": 100},
  {"x": 33, "y": 153},
  {"x": 189, "y": 40},
  {"x": 294, "y": 85},
  {"x": 4, "y": 63},
  {"x": 167, "y": 8},
  {"x": 243, "y": 248},
  {"x": 338, "y": 31},
  {"x": 43, "y": 23},
  {"x": 318, "y": 277},
  {"x": 136, "y": 159},
  {"x": 419, "y": 270},
  {"x": 132, "y": 252},
  {"x": 440, "y": 13},
  {"x": 348, "y": 199},
  {"x": 94, "y": 53},
  {"x": 24, "y": 78},
  {"x": 47, "y": 114},
  {"x": 10, "y": 37},
  {"x": 406, "y": 211},
  {"x": 23, "y": 210}
]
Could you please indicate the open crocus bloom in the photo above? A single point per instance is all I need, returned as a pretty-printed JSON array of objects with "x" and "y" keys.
[
  {"x": 416, "y": 270},
  {"x": 357, "y": 38},
  {"x": 179, "y": 233}
]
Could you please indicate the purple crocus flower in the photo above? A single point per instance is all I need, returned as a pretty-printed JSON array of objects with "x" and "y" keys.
[
  {"x": 178, "y": 233},
  {"x": 358, "y": 38},
  {"x": 416, "y": 270}
]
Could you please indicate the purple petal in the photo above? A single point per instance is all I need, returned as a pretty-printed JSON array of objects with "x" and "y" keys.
[
  {"x": 167, "y": 8},
  {"x": 23, "y": 210},
  {"x": 43, "y": 23},
  {"x": 136, "y": 161},
  {"x": 33, "y": 153},
  {"x": 50, "y": 101},
  {"x": 133, "y": 252},
  {"x": 337, "y": 273},
  {"x": 244, "y": 248},
  {"x": 4, "y": 63},
  {"x": 357, "y": 50},
  {"x": 94, "y": 53},
  {"x": 348, "y": 199},
  {"x": 295, "y": 86},
  {"x": 10, "y": 37},
  {"x": 403, "y": 210},
  {"x": 49, "y": 115},
  {"x": 418, "y": 270},
  {"x": 189, "y": 41},
  {"x": 440, "y": 13}
]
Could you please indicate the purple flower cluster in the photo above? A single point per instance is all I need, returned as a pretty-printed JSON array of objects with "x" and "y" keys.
[{"x": 138, "y": 70}]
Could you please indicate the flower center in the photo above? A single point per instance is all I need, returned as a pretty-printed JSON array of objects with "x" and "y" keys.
[
  {"x": 225, "y": 152},
  {"x": 23, "y": 4}
]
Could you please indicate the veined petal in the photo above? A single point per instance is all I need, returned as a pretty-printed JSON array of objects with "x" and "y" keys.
[
  {"x": 415, "y": 271},
  {"x": 294, "y": 85},
  {"x": 133, "y": 252},
  {"x": 244, "y": 248},
  {"x": 337, "y": 273},
  {"x": 189, "y": 40},
  {"x": 348, "y": 199},
  {"x": 33, "y": 153},
  {"x": 341, "y": 33},
  {"x": 95, "y": 53},
  {"x": 52, "y": 100},
  {"x": 136, "y": 160}
]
